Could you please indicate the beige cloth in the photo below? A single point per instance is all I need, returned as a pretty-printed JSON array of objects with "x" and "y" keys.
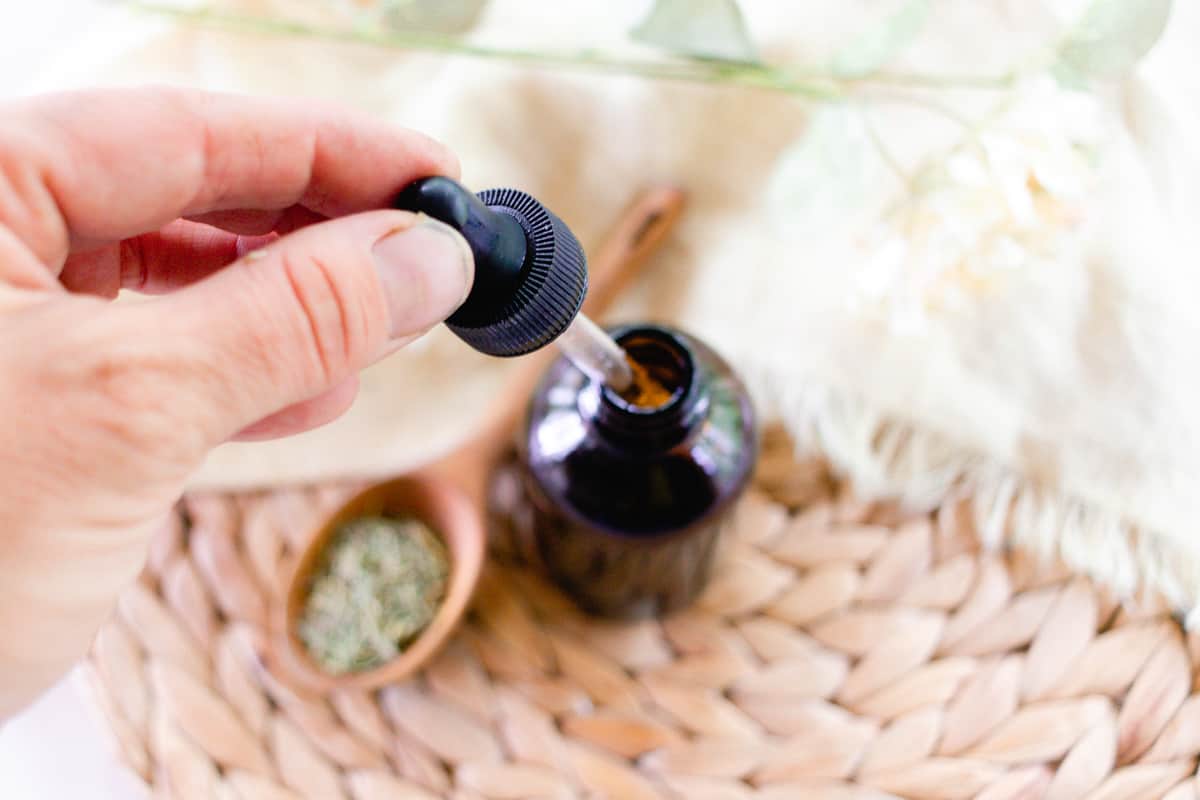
[{"x": 1051, "y": 373}]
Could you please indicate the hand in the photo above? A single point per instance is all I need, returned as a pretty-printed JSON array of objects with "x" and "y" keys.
[{"x": 253, "y": 221}]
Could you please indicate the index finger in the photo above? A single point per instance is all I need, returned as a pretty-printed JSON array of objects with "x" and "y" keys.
[{"x": 83, "y": 169}]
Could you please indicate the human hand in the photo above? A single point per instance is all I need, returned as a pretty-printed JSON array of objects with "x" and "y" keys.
[{"x": 254, "y": 222}]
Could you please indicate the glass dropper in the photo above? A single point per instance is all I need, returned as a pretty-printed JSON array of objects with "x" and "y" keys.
[{"x": 595, "y": 353}]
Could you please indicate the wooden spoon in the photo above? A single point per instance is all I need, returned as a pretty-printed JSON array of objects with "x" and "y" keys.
[{"x": 450, "y": 495}]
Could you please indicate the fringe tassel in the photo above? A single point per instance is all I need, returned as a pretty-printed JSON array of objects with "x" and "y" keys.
[{"x": 922, "y": 469}]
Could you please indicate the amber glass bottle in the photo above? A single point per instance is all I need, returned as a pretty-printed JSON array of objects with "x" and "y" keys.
[{"x": 628, "y": 491}]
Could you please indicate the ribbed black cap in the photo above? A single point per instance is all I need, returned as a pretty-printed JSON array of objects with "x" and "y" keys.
[
  {"x": 550, "y": 294},
  {"x": 526, "y": 292}
]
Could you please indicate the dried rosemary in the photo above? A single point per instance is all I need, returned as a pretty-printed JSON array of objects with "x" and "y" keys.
[{"x": 377, "y": 585}]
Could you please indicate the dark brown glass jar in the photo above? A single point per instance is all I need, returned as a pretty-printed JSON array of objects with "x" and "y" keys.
[{"x": 627, "y": 500}]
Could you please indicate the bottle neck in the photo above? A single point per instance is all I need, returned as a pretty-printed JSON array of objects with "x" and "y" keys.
[{"x": 672, "y": 402}]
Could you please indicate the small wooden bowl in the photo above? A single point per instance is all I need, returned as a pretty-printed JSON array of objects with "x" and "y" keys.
[
  {"x": 451, "y": 516},
  {"x": 449, "y": 495}
]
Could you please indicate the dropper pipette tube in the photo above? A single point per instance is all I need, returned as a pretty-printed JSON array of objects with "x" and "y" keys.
[{"x": 595, "y": 354}]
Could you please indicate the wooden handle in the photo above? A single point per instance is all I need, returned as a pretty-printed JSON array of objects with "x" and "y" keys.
[{"x": 638, "y": 232}]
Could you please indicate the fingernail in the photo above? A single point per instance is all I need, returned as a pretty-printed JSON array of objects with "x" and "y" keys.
[
  {"x": 252, "y": 246},
  {"x": 426, "y": 274}
]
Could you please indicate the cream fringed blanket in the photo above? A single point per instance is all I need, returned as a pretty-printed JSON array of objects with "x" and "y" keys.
[{"x": 1023, "y": 331}]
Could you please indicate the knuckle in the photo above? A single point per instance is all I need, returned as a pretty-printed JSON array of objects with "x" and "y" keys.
[
  {"x": 325, "y": 303},
  {"x": 27, "y": 206},
  {"x": 127, "y": 394},
  {"x": 136, "y": 407}
]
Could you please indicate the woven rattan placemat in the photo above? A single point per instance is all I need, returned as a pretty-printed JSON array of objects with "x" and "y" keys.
[{"x": 844, "y": 650}]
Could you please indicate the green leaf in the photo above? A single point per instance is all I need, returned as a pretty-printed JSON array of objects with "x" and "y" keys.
[
  {"x": 881, "y": 43},
  {"x": 707, "y": 29},
  {"x": 1110, "y": 37},
  {"x": 430, "y": 16},
  {"x": 829, "y": 171}
]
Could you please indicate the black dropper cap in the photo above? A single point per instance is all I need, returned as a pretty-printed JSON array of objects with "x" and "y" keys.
[{"x": 530, "y": 272}]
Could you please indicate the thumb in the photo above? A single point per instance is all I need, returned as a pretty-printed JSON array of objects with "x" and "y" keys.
[{"x": 296, "y": 318}]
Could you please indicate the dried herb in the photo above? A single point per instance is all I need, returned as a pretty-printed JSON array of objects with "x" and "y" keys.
[
  {"x": 647, "y": 390},
  {"x": 378, "y": 584}
]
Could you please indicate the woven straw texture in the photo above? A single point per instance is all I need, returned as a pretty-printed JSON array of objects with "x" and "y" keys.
[{"x": 844, "y": 650}]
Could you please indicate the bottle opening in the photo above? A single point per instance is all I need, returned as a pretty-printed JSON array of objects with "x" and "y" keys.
[{"x": 662, "y": 372}]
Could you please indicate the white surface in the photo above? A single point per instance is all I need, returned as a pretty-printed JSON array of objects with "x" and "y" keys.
[{"x": 56, "y": 749}]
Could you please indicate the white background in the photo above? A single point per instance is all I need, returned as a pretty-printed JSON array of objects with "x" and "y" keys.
[{"x": 33, "y": 33}]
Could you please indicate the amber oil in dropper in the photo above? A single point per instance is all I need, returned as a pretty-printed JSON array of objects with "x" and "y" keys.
[{"x": 595, "y": 353}]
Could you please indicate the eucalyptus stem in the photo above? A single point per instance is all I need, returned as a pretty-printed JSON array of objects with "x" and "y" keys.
[
  {"x": 884, "y": 151},
  {"x": 714, "y": 72},
  {"x": 809, "y": 85},
  {"x": 915, "y": 80}
]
